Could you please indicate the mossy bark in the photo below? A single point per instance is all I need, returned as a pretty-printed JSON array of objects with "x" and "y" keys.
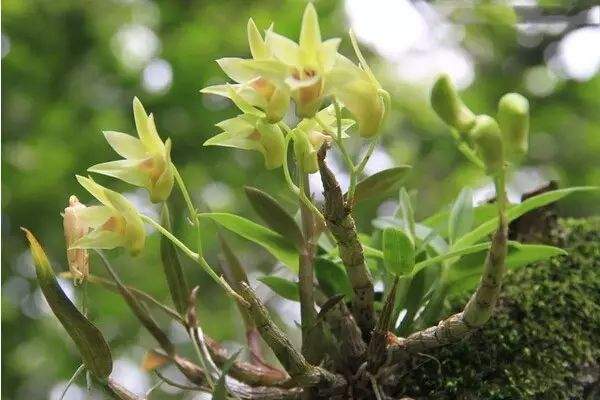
[{"x": 543, "y": 341}]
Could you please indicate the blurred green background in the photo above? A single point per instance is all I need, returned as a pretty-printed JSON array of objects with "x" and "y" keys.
[{"x": 71, "y": 68}]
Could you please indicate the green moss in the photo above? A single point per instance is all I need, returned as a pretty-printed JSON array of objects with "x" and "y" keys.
[{"x": 543, "y": 340}]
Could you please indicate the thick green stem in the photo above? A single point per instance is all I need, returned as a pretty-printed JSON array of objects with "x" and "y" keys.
[
  {"x": 479, "y": 307},
  {"x": 301, "y": 372},
  {"x": 341, "y": 224},
  {"x": 308, "y": 313}
]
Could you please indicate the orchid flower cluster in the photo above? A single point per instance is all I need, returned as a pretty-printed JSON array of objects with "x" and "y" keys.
[
  {"x": 350, "y": 349},
  {"x": 311, "y": 73}
]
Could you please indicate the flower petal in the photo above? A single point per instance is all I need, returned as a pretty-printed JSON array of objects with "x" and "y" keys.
[
  {"x": 246, "y": 92},
  {"x": 258, "y": 48},
  {"x": 95, "y": 190},
  {"x": 310, "y": 36},
  {"x": 145, "y": 127},
  {"x": 228, "y": 139},
  {"x": 99, "y": 239},
  {"x": 125, "y": 145},
  {"x": 127, "y": 170},
  {"x": 284, "y": 49},
  {"x": 94, "y": 216},
  {"x": 328, "y": 54}
]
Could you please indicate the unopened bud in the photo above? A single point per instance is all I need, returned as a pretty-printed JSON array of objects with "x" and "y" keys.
[
  {"x": 306, "y": 146},
  {"x": 75, "y": 228},
  {"x": 487, "y": 138},
  {"x": 277, "y": 105},
  {"x": 513, "y": 117},
  {"x": 271, "y": 138},
  {"x": 448, "y": 105}
]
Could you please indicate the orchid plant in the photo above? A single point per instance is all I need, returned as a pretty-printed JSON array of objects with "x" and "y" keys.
[{"x": 356, "y": 340}]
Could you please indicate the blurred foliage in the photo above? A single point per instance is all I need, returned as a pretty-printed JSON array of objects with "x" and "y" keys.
[{"x": 66, "y": 79}]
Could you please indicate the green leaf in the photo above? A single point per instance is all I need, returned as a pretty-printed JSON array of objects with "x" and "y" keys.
[
  {"x": 398, "y": 251},
  {"x": 405, "y": 213},
  {"x": 461, "y": 215},
  {"x": 274, "y": 215},
  {"x": 516, "y": 211},
  {"x": 274, "y": 243},
  {"x": 332, "y": 278},
  {"x": 413, "y": 301},
  {"x": 422, "y": 232},
  {"x": 379, "y": 183},
  {"x": 220, "y": 390},
  {"x": 439, "y": 221},
  {"x": 465, "y": 274},
  {"x": 178, "y": 287},
  {"x": 451, "y": 254},
  {"x": 286, "y": 289},
  {"x": 89, "y": 340}
]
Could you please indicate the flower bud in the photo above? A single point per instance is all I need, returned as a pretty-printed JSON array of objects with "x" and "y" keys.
[
  {"x": 306, "y": 146},
  {"x": 448, "y": 105},
  {"x": 75, "y": 228},
  {"x": 277, "y": 105},
  {"x": 513, "y": 117},
  {"x": 271, "y": 139},
  {"x": 487, "y": 139}
]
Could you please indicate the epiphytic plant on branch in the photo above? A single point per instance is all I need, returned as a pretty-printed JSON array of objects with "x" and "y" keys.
[{"x": 356, "y": 341}]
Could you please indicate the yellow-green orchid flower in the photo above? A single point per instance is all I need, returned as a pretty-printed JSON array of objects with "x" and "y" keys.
[
  {"x": 309, "y": 62},
  {"x": 359, "y": 91},
  {"x": 311, "y": 133},
  {"x": 254, "y": 78},
  {"x": 249, "y": 132},
  {"x": 115, "y": 223},
  {"x": 147, "y": 160}
]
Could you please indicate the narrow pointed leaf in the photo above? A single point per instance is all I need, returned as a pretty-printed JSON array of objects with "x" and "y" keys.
[
  {"x": 398, "y": 252},
  {"x": 405, "y": 213},
  {"x": 286, "y": 289},
  {"x": 451, "y": 254},
  {"x": 439, "y": 221},
  {"x": 461, "y": 215},
  {"x": 88, "y": 339},
  {"x": 178, "y": 286},
  {"x": 465, "y": 274},
  {"x": 516, "y": 211},
  {"x": 380, "y": 183},
  {"x": 220, "y": 389},
  {"x": 280, "y": 247},
  {"x": 274, "y": 215}
]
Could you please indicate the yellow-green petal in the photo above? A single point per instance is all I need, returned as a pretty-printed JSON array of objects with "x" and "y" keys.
[
  {"x": 310, "y": 36},
  {"x": 99, "y": 239},
  {"x": 94, "y": 216},
  {"x": 284, "y": 49},
  {"x": 146, "y": 128},
  {"x": 126, "y": 170},
  {"x": 95, "y": 190},
  {"x": 125, "y": 145},
  {"x": 258, "y": 48}
]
